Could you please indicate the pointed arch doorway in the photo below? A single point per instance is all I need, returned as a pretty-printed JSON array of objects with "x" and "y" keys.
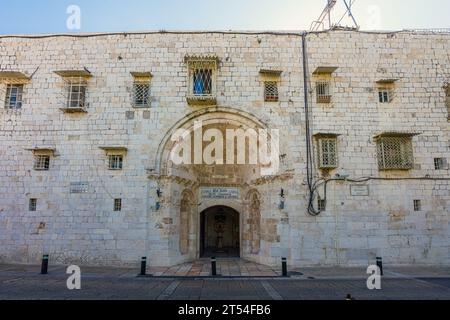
[{"x": 219, "y": 232}]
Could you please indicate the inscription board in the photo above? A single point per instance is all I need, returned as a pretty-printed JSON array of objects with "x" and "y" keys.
[
  {"x": 359, "y": 191},
  {"x": 219, "y": 193}
]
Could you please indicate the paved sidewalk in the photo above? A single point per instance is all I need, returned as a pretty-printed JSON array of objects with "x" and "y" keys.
[{"x": 25, "y": 282}]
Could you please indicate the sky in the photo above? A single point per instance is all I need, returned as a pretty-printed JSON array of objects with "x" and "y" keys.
[{"x": 51, "y": 16}]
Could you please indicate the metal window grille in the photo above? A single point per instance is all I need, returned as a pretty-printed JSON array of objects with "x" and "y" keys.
[
  {"x": 323, "y": 92},
  {"x": 76, "y": 92},
  {"x": 328, "y": 153},
  {"x": 14, "y": 93},
  {"x": 115, "y": 162},
  {"x": 141, "y": 94},
  {"x": 417, "y": 205},
  {"x": 117, "y": 205},
  {"x": 440, "y": 163},
  {"x": 79, "y": 187},
  {"x": 395, "y": 153},
  {"x": 385, "y": 96},
  {"x": 447, "y": 99},
  {"x": 321, "y": 204},
  {"x": 32, "y": 206},
  {"x": 271, "y": 91},
  {"x": 42, "y": 163},
  {"x": 202, "y": 77}
]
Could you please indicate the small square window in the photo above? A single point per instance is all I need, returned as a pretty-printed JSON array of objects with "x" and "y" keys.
[
  {"x": 42, "y": 163},
  {"x": 32, "y": 206},
  {"x": 385, "y": 96},
  {"x": 417, "y": 205},
  {"x": 323, "y": 92},
  {"x": 14, "y": 94},
  {"x": 321, "y": 204},
  {"x": 115, "y": 162},
  {"x": 440, "y": 163},
  {"x": 270, "y": 91},
  {"x": 117, "y": 205}
]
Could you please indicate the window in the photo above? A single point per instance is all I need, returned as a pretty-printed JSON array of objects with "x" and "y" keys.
[
  {"x": 440, "y": 163},
  {"x": 115, "y": 162},
  {"x": 395, "y": 153},
  {"x": 328, "y": 158},
  {"x": 76, "y": 93},
  {"x": 447, "y": 99},
  {"x": 42, "y": 163},
  {"x": 141, "y": 94},
  {"x": 32, "y": 206},
  {"x": 323, "y": 92},
  {"x": 117, "y": 205},
  {"x": 321, "y": 204},
  {"x": 384, "y": 95},
  {"x": 14, "y": 94},
  {"x": 417, "y": 205},
  {"x": 202, "y": 80},
  {"x": 270, "y": 91}
]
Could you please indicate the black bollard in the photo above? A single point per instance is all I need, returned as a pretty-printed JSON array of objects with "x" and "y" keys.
[
  {"x": 380, "y": 265},
  {"x": 284, "y": 267},
  {"x": 44, "y": 266},
  {"x": 213, "y": 266},
  {"x": 143, "y": 266}
]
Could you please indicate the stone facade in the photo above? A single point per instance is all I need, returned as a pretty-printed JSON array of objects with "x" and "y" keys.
[{"x": 162, "y": 203}]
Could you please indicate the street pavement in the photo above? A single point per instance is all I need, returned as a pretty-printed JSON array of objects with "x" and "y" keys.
[{"x": 18, "y": 282}]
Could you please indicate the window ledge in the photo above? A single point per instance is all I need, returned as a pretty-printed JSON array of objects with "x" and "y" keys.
[
  {"x": 207, "y": 100},
  {"x": 74, "y": 110}
]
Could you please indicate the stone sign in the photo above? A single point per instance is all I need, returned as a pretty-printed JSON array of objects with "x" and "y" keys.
[
  {"x": 219, "y": 193},
  {"x": 359, "y": 191}
]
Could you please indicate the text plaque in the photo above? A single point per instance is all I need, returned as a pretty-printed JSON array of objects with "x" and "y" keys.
[
  {"x": 219, "y": 193},
  {"x": 359, "y": 191}
]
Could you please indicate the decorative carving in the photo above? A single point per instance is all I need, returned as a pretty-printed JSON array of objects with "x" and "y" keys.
[{"x": 254, "y": 221}]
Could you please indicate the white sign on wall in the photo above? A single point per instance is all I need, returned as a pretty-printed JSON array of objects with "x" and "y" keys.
[
  {"x": 359, "y": 191},
  {"x": 219, "y": 193}
]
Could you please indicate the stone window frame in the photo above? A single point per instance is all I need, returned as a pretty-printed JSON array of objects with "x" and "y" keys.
[
  {"x": 202, "y": 66},
  {"x": 75, "y": 90},
  {"x": 115, "y": 156},
  {"x": 117, "y": 205},
  {"x": 440, "y": 164},
  {"x": 324, "y": 84},
  {"x": 395, "y": 151},
  {"x": 386, "y": 90},
  {"x": 447, "y": 99},
  {"x": 32, "y": 204},
  {"x": 141, "y": 90},
  {"x": 41, "y": 163},
  {"x": 327, "y": 138},
  {"x": 271, "y": 80}
]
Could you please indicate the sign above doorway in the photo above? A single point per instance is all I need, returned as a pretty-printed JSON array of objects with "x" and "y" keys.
[{"x": 219, "y": 193}]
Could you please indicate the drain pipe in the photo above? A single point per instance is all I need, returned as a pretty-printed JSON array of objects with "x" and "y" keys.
[{"x": 309, "y": 158}]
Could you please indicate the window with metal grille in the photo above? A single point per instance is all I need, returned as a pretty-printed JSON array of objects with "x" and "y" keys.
[
  {"x": 14, "y": 93},
  {"x": 202, "y": 82},
  {"x": 417, "y": 205},
  {"x": 32, "y": 205},
  {"x": 270, "y": 91},
  {"x": 42, "y": 163},
  {"x": 322, "y": 204},
  {"x": 323, "y": 92},
  {"x": 440, "y": 163},
  {"x": 115, "y": 162},
  {"x": 447, "y": 99},
  {"x": 76, "y": 89},
  {"x": 141, "y": 94},
  {"x": 395, "y": 153},
  {"x": 328, "y": 157},
  {"x": 384, "y": 96},
  {"x": 117, "y": 205}
]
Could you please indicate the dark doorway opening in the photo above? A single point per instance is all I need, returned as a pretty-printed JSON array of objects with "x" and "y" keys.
[{"x": 219, "y": 232}]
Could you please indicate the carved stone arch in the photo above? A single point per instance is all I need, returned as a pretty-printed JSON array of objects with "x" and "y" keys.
[
  {"x": 253, "y": 200},
  {"x": 186, "y": 205}
]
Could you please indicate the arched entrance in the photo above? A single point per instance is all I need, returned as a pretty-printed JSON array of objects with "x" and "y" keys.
[{"x": 219, "y": 232}]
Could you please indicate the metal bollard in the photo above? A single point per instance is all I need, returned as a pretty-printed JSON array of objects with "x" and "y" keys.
[
  {"x": 380, "y": 264},
  {"x": 213, "y": 266},
  {"x": 143, "y": 266},
  {"x": 284, "y": 267},
  {"x": 44, "y": 265}
]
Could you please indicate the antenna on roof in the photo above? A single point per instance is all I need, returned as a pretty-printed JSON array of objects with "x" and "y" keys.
[{"x": 325, "y": 21}]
